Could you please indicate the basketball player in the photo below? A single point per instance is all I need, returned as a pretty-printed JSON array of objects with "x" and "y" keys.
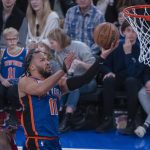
[
  {"x": 12, "y": 60},
  {"x": 40, "y": 96}
]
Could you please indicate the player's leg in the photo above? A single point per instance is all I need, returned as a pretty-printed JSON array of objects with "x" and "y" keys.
[{"x": 34, "y": 144}]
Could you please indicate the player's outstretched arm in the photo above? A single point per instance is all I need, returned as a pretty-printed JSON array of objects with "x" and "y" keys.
[
  {"x": 78, "y": 81},
  {"x": 28, "y": 85}
]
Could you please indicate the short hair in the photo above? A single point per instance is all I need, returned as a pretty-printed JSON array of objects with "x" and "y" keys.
[
  {"x": 60, "y": 36},
  {"x": 11, "y": 31},
  {"x": 121, "y": 9},
  {"x": 124, "y": 25},
  {"x": 28, "y": 60}
]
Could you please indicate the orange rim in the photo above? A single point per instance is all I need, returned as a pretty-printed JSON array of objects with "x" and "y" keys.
[{"x": 127, "y": 12}]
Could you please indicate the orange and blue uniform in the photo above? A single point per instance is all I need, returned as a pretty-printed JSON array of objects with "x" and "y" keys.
[{"x": 40, "y": 120}]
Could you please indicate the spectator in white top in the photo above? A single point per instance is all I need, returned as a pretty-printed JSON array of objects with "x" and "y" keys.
[{"x": 41, "y": 20}]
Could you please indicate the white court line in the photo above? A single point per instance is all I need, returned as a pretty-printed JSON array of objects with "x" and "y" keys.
[
  {"x": 86, "y": 149},
  {"x": 20, "y": 148}
]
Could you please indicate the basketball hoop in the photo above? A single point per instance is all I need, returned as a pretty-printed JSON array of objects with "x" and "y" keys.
[{"x": 138, "y": 17}]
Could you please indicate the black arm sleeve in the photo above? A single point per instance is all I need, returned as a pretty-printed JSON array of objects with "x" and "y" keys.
[{"x": 77, "y": 81}]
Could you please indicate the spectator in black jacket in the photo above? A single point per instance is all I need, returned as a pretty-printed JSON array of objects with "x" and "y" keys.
[
  {"x": 63, "y": 4},
  {"x": 122, "y": 69},
  {"x": 22, "y": 5}
]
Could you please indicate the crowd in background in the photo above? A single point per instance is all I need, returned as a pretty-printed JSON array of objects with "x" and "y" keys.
[{"x": 59, "y": 27}]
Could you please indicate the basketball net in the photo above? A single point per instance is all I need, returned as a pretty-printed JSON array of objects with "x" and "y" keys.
[{"x": 139, "y": 18}]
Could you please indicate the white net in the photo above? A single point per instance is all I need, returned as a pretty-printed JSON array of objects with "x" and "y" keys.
[{"x": 142, "y": 27}]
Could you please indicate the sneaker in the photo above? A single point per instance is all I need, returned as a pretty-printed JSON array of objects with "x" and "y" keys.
[
  {"x": 106, "y": 124},
  {"x": 140, "y": 131},
  {"x": 65, "y": 124},
  {"x": 129, "y": 128},
  {"x": 11, "y": 122}
]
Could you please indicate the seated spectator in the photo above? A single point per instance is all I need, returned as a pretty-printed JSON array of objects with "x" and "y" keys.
[
  {"x": 11, "y": 16},
  {"x": 122, "y": 70},
  {"x": 144, "y": 98},
  {"x": 44, "y": 46},
  {"x": 63, "y": 45},
  {"x": 61, "y": 6},
  {"x": 120, "y": 21},
  {"x": 80, "y": 22},
  {"x": 11, "y": 68},
  {"x": 22, "y": 5},
  {"x": 102, "y": 5},
  {"x": 41, "y": 20}
]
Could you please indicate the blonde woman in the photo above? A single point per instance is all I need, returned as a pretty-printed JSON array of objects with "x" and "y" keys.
[{"x": 41, "y": 20}]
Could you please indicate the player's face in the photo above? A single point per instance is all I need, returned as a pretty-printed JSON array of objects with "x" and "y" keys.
[
  {"x": 83, "y": 4},
  {"x": 130, "y": 34},
  {"x": 36, "y": 4},
  {"x": 54, "y": 45},
  {"x": 11, "y": 41},
  {"x": 7, "y": 4},
  {"x": 40, "y": 63}
]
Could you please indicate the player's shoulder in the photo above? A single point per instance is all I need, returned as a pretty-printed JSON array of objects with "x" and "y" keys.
[{"x": 25, "y": 80}]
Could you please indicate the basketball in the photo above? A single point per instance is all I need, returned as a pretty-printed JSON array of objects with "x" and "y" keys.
[{"x": 104, "y": 34}]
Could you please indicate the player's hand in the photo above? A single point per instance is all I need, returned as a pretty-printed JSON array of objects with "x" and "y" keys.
[
  {"x": 106, "y": 52},
  {"x": 110, "y": 74},
  {"x": 6, "y": 83},
  {"x": 68, "y": 61},
  {"x": 147, "y": 86},
  {"x": 127, "y": 46}
]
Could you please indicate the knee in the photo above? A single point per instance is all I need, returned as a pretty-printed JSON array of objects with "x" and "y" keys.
[
  {"x": 12, "y": 93},
  {"x": 2, "y": 90},
  {"x": 109, "y": 81},
  {"x": 142, "y": 93},
  {"x": 131, "y": 81}
]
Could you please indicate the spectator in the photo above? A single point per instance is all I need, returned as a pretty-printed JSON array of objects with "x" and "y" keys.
[
  {"x": 120, "y": 21},
  {"x": 41, "y": 20},
  {"x": 11, "y": 16},
  {"x": 102, "y": 5},
  {"x": 62, "y": 45},
  {"x": 144, "y": 98},
  {"x": 122, "y": 74},
  {"x": 80, "y": 22},
  {"x": 61, "y": 6},
  {"x": 115, "y": 5},
  {"x": 44, "y": 46},
  {"x": 22, "y": 5},
  {"x": 12, "y": 67}
]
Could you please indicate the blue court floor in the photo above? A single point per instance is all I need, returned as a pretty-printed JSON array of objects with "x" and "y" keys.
[{"x": 89, "y": 140}]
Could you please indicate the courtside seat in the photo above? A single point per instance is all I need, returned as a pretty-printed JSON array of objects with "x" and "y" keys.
[
  {"x": 120, "y": 100},
  {"x": 92, "y": 97}
]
